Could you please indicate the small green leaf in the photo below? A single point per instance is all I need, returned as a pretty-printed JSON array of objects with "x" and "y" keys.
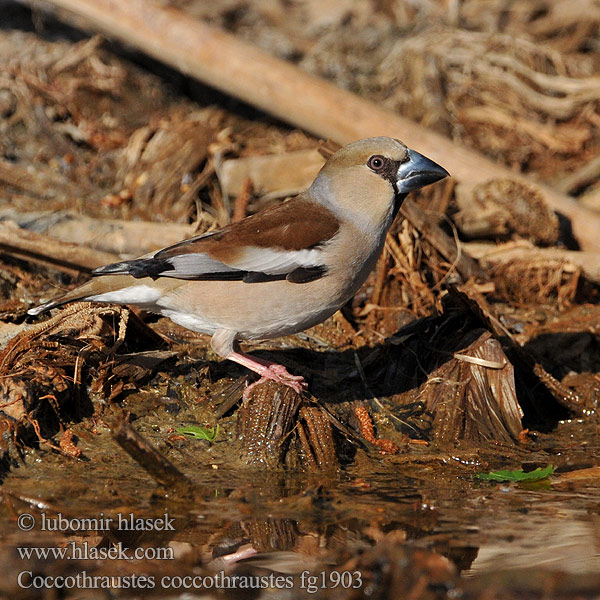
[
  {"x": 518, "y": 475},
  {"x": 199, "y": 433}
]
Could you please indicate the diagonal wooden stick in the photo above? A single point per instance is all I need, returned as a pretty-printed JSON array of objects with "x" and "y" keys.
[{"x": 282, "y": 89}]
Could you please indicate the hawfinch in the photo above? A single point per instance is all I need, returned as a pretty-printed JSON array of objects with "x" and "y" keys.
[{"x": 279, "y": 271}]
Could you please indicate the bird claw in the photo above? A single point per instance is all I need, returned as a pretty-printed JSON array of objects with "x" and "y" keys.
[
  {"x": 280, "y": 374},
  {"x": 268, "y": 370}
]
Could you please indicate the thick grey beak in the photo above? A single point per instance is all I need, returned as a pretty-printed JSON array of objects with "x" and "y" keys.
[{"x": 417, "y": 172}]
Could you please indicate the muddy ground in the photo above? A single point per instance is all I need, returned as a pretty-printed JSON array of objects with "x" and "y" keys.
[{"x": 122, "y": 430}]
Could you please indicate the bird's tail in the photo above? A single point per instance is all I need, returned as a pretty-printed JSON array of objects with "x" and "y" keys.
[{"x": 93, "y": 289}]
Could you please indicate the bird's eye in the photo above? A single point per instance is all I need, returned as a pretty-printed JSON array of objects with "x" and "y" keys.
[{"x": 376, "y": 163}]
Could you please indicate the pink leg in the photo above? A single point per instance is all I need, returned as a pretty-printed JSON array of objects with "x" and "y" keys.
[
  {"x": 240, "y": 554},
  {"x": 225, "y": 562},
  {"x": 268, "y": 370}
]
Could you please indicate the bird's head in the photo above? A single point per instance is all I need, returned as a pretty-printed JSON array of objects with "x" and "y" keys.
[{"x": 366, "y": 181}]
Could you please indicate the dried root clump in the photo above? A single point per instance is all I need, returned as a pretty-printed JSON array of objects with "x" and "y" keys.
[
  {"x": 473, "y": 396},
  {"x": 457, "y": 382},
  {"x": 277, "y": 428},
  {"x": 565, "y": 25},
  {"x": 43, "y": 370},
  {"x": 501, "y": 207},
  {"x": 532, "y": 282}
]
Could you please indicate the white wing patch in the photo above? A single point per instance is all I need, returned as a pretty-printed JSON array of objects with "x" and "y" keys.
[
  {"x": 194, "y": 265},
  {"x": 254, "y": 258},
  {"x": 278, "y": 262}
]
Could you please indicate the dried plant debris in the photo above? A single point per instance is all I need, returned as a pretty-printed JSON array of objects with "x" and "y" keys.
[
  {"x": 406, "y": 283},
  {"x": 384, "y": 446},
  {"x": 473, "y": 395},
  {"x": 512, "y": 98},
  {"x": 74, "y": 100},
  {"x": 567, "y": 26},
  {"x": 463, "y": 376},
  {"x": 98, "y": 129},
  {"x": 569, "y": 342},
  {"x": 540, "y": 392},
  {"x": 499, "y": 208},
  {"x": 457, "y": 383},
  {"x": 314, "y": 439},
  {"x": 44, "y": 370},
  {"x": 568, "y": 347},
  {"x": 265, "y": 421},
  {"x": 586, "y": 386},
  {"x": 277, "y": 427},
  {"x": 407, "y": 279},
  {"x": 542, "y": 281},
  {"x": 161, "y": 168},
  {"x": 349, "y": 59}
]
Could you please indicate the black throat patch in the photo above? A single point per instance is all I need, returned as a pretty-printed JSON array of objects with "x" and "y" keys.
[{"x": 390, "y": 173}]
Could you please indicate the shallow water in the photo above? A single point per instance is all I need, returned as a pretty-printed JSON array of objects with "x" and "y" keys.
[{"x": 376, "y": 517}]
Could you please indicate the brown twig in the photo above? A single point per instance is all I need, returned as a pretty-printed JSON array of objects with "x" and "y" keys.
[
  {"x": 149, "y": 458},
  {"x": 240, "y": 206},
  {"x": 42, "y": 249},
  {"x": 108, "y": 237}
]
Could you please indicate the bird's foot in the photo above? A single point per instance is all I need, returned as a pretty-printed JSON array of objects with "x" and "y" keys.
[
  {"x": 268, "y": 371},
  {"x": 278, "y": 373}
]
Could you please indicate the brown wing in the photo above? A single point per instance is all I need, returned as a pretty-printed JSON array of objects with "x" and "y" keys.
[
  {"x": 271, "y": 244},
  {"x": 298, "y": 224}
]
